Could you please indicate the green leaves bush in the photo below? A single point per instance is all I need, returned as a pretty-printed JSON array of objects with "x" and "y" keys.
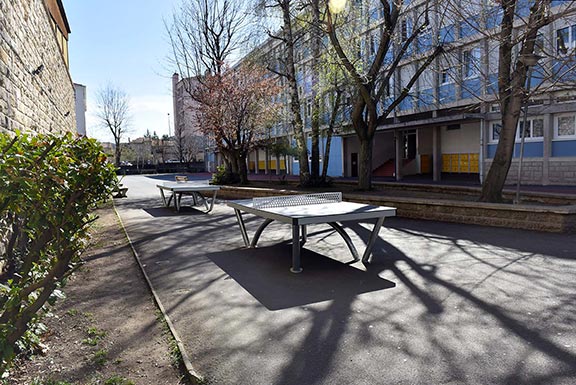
[{"x": 49, "y": 187}]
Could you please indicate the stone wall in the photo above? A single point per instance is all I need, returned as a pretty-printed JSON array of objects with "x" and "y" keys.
[
  {"x": 36, "y": 91},
  {"x": 558, "y": 171}
]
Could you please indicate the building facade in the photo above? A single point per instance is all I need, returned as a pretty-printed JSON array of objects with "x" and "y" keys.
[
  {"x": 36, "y": 91},
  {"x": 449, "y": 123},
  {"x": 190, "y": 143}
]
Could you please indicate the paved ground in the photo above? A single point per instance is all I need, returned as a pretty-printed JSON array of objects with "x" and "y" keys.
[{"x": 441, "y": 304}]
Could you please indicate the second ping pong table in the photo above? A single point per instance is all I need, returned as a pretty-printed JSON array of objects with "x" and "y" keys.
[
  {"x": 302, "y": 210},
  {"x": 177, "y": 189}
]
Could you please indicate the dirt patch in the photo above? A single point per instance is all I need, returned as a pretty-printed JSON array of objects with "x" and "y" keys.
[{"x": 106, "y": 331}]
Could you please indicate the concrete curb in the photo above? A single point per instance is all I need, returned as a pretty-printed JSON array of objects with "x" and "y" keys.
[{"x": 192, "y": 373}]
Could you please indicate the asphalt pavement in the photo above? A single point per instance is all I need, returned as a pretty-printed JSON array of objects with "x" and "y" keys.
[{"x": 441, "y": 303}]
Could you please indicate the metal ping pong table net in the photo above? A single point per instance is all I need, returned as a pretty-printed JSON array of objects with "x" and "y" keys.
[{"x": 296, "y": 200}]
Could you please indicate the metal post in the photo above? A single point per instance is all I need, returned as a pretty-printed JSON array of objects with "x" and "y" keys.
[{"x": 523, "y": 132}]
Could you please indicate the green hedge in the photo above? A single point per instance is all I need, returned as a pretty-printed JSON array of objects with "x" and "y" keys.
[{"x": 49, "y": 187}]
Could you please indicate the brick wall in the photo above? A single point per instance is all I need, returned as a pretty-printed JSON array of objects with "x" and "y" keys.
[{"x": 41, "y": 102}]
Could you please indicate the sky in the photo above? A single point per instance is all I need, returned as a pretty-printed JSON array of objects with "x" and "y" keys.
[{"x": 123, "y": 43}]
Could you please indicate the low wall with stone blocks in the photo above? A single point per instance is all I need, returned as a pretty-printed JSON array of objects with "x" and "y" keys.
[
  {"x": 529, "y": 217},
  {"x": 36, "y": 91}
]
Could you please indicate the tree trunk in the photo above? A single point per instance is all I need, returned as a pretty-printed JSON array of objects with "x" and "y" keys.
[
  {"x": 242, "y": 170},
  {"x": 117, "y": 152},
  {"x": 294, "y": 98},
  {"x": 365, "y": 164},
  {"x": 326, "y": 157},
  {"x": 315, "y": 121}
]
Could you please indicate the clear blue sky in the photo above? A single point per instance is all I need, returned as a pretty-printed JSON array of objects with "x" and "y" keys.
[{"x": 123, "y": 42}]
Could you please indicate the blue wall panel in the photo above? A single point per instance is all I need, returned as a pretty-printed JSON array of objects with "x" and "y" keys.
[
  {"x": 426, "y": 98},
  {"x": 335, "y": 161},
  {"x": 564, "y": 148},
  {"x": 447, "y": 93},
  {"x": 492, "y": 87},
  {"x": 493, "y": 17},
  {"x": 491, "y": 150},
  {"x": 470, "y": 26},
  {"x": 447, "y": 34},
  {"x": 471, "y": 88},
  {"x": 531, "y": 150},
  {"x": 406, "y": 103}
]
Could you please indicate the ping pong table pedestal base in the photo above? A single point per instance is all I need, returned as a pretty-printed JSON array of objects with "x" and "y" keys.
[{"x": 346, "y": 212}]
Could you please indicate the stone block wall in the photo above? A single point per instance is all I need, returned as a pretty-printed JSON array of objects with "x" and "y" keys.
[
  {"x": 558, "y": 171},
  {"x": 562, "y": 171},
  {"x": 36, "y": 91}
]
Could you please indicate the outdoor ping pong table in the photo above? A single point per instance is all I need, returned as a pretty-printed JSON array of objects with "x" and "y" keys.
[
  {"x": 302, "y": 210},
  {"x": 177, "y": 189}
]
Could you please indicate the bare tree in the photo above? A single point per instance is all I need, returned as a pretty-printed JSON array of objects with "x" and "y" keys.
[
  {"x": 288, "y": 37},
  {"x": 205, "y": 34},
  {"x": 371, "y": 76},
  {"x": 113, "y": 113},
  {"x": 517, "y": 39}
]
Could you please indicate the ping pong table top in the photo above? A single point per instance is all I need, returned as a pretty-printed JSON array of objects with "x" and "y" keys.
[
  {"x": 187, "y": 186},
  {"x": 310, "y": 213}
]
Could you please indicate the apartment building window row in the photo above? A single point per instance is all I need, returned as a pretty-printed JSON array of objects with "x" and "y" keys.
[
  {"x": 534, "y": 130},
  {"x": 564, "y": 128}
]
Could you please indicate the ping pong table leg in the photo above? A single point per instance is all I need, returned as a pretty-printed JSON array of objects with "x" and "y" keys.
[
  {"x": 296, "y": 268},
  {"x": 372, "y": 240},
  {"x": 177, "y": 198},
  {"x": 211, "y": 202},
  {"x": 259, "y": 232},
  {"x": 340, "y": 230},
  {"x": 304, "y": 235},
  {"x": 166, "y": 203},
  {"x": 242, "y": 227}
]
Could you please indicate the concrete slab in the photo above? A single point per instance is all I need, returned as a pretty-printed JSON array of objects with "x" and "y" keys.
[{"x": 442, "y": 303}]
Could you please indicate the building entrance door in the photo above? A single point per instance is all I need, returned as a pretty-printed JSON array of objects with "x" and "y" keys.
[{"x": 354, "y": 164}]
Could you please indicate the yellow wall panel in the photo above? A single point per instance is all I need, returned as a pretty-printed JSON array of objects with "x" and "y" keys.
[
  {"x": 445, "y": 162},
  {"x": 464, "y": 164},
  {"x": 454, "y": 163}
]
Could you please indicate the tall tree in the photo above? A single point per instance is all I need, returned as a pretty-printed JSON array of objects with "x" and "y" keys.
[
  {"x": 371, "y": 76},
  {"x": 289, "y": 37},
  {"x": 518, "y": 46},
  {"x": 205, "y": 34},
  {"x": 113, "y": 113},
  {"x": 235, "y": 110}
]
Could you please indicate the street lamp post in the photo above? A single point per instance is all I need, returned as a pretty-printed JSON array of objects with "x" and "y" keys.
[{"x": 529, "y": 60}]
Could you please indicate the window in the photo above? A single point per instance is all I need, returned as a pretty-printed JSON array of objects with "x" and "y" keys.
[
  {"x": 445, "y": 77},
  {"x": 496, "y": 128},
  {"x": 534, "y": 129},
  {"x": 566, "y": 40},
  {"x": 471, "y": 63},
  {"x": 565, "y": 126}
]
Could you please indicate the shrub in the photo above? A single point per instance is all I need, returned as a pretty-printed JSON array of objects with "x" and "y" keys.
[
  {"x": 50, "y": 185},
  {"x": 223, "y": 176}
]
